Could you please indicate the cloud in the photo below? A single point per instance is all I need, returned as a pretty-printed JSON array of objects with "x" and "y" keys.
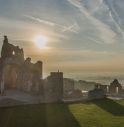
[
  {"x": 71, "y": 28},
  {"x": 79, "y": 60},
  {"x": 104, "y": 31},
  {"x": 59, "y": 54},
  {"x": 92, "y": 5},
  {"x": 76, "y": 3},
  {"x": 94, "y": 40},
  {"x": 40, "y": 20},
  {"x": 112, "y": 12},
  {"x": 116, "y": 24}
]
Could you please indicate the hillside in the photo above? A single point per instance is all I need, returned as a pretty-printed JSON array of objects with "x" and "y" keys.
[
  {"x": 100, "y": 113},
  {"x": 84, "y": 85}
]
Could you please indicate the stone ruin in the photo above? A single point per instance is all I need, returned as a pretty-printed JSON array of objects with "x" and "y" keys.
[
  {"x": 16, "y": 72},
  {"x": 53, "y": 87},
  {"x": 96, "y": 93},
  {"x": 100, "y": 91},
  {"x": 115, "y": 87}
]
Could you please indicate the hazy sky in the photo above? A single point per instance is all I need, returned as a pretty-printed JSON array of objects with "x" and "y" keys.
[{"x": 83, "y": 35}]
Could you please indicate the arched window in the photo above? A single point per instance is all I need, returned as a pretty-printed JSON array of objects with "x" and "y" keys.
[{"x": 13, "y": 53}]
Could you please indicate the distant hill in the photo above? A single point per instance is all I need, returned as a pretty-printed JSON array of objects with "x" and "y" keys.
[{"x": 84, "y": 85}]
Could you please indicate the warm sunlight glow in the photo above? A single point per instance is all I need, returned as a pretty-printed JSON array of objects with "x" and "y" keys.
[{"x": 40, "y": 41}]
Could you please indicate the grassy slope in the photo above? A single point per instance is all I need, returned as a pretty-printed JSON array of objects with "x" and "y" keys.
[{"x": 102, "y": 113}]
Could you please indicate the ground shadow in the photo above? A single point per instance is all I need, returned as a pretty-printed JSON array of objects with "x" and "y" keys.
[
  {"x": 110, "y": 106},
  {"x": 44, "y": 115}
]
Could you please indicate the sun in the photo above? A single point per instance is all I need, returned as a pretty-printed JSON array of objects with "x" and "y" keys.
[{"x": 40, "y": 41}]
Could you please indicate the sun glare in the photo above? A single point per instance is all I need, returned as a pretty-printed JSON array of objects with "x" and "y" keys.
[{"x": 40, "y": 41}]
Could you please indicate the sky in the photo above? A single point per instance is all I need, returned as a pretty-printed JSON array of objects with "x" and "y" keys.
[{"x": 83, "y": 35}]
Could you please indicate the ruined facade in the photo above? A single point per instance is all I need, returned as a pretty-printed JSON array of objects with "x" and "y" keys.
[
  {"x": 17, "y": 72},
  {"x": 11, "y": 54},
  {"x": 54, "y": 86},
  {"x": 68, "y": 85},
  {"x": 21, "y": 74},
  {"x": 115, "y": 87}
]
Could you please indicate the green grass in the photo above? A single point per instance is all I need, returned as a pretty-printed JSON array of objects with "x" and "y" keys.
[{"x": 100, "y": 113}]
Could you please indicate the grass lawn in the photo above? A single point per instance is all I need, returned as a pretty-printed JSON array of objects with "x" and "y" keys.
[{"x": 100, "y": 113}]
